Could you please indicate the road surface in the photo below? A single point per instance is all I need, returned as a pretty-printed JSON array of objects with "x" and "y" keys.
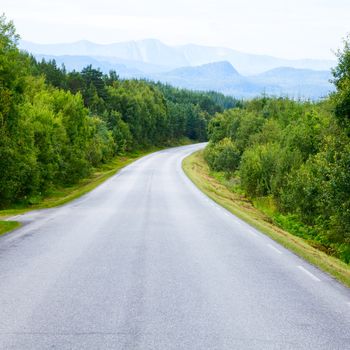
[{"x": 146, "y": 261}]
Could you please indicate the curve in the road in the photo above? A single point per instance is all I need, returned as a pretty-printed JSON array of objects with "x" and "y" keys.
[{"x": 146, "y": 261}]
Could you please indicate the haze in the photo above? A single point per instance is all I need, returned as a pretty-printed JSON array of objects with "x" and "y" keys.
[{"x": 288, "y": 29}]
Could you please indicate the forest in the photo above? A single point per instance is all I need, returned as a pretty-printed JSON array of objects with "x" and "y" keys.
[
  {"x": 292, "y": 159},
  {"x": 57, "y": 126}
]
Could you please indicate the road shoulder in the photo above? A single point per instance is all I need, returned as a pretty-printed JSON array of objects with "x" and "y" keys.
[{"x": 198, "y": 172}]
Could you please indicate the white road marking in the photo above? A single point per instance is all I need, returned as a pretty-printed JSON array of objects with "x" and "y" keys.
[
  {"x": 274, "y": 248},
  {"x": 253, "y": 233},
  {"x": 309, "y": 273}
]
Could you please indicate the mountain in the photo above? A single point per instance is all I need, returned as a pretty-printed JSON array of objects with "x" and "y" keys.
[
  {"x": 155, "y": 52},
  {"x": 245, "y": 63},
  {"x": 218, "y": 76},
  {"x": 296, "y": 82},
  {"x": 293, "y": 75},
  {"x": 217, "y": 70},
  {"x": 222, "y": 77},
  {"x": 147, "y": 51}
]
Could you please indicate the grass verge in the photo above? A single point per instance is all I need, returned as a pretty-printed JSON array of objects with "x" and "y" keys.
[
  {"x": 198, "y": 171},
  {"x": 7, "y": 226}
]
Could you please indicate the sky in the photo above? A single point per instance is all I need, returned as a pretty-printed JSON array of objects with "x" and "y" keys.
[{"x": 283, "y": 28}]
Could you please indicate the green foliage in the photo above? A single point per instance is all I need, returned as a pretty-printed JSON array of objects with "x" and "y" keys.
[
  {"x": 341, "y": 74},
  {"x": 297, "y": 154},
  {"x": 223, "y": 156},
  {"x": 258, "y": 168},
  {"x": 56, "y": 126},
  {"x": 52, "y": 73},
  {"x": 120, "y": 132},
  {"x": 190, "y": 111},
  {"x": 101, "y": 145},
  {"x": 6, "y": 226}
]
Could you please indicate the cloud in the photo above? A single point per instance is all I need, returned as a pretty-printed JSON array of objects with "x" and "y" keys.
[{"x": 297, "y": 28}]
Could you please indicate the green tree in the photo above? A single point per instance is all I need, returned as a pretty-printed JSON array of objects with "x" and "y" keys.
[
  {"x": 223, "y": 156},
  {"x": 341, "y": 74},
  {"x": 258, "y": 169}
]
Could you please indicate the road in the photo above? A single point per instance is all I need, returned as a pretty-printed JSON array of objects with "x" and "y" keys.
[{"x": 146, "y": 261}]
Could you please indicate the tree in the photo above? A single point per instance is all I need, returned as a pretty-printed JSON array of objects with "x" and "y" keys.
[
  {"x": 258, "y": 169},
  {"x": 341, "y": 74},
  {"x": 223, "y": 156}
]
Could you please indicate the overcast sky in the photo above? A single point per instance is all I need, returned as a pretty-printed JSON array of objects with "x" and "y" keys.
[{"x": 285, "y": 28}]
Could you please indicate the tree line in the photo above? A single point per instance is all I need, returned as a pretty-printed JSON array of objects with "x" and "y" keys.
[
  {"x": 56, "y": 126},
  {"x": 292, "y": 158}
]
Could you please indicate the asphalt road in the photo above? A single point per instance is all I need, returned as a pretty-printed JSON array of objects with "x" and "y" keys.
[{"x": 146, "y": 261}]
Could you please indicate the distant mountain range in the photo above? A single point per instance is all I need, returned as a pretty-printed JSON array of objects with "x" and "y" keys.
[
  {"x": 221, "y": 76},
  {"x": 156, "y": 53},
  {"x": 196, "y": 67}
]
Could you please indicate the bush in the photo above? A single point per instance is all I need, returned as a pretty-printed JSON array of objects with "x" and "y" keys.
[
  {"x": 258, "y": 169},
  {"x": 223, "y": 156}
]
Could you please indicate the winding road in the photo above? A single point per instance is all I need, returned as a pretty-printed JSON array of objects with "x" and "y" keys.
[{"x": 146, "y": 261}]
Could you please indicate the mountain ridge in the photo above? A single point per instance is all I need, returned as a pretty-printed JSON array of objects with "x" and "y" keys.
[
  {"x": 222, "y": 77},
  {"x": 218, "y": 70},
  {"x": 218, "y": 76},
  {"x": 156, "y": 52}
]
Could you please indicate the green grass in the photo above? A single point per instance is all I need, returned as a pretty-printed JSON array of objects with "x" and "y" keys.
[
  {"x": 219, "y": 190},
  {"x": 7, "y": 226}
]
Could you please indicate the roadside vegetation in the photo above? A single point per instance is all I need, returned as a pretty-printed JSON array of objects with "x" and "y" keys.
[
  {"x": 61, "y": 195},
  {"x": 6, "y": 226},
  {"x": 58, "y": 129},
  {"x": 223, "y": 191},
  {"x": 291, "y": 159}
]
